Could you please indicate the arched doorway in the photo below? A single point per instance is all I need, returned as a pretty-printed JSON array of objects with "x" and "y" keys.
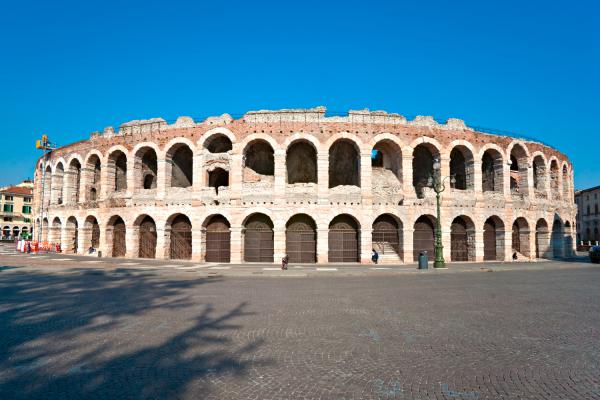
[
  {"x": 72, "y": 236},
  {"x": 557, "y": 238},
  {"x": 344, "y": 163},
  {"x": 91, "y": 233},
  {"x": 462, "y": 239},
  {"x": 180, "y": 166},
  {"x": 542, "y": 239},
  {"x": 258, "y": 239},
  {"x": 119, "y": 231},
  {"x": 301, "y": 239},
  {"x": 343, "y": 239},
  {"x": 387, "y": 237},
  {"x": 520, "y": 237},
  {"x": 423, "y": 160},
  {"x": 147, "y": 238},
  {"x": 218, "y": 240},
  {"x": 181, "y": 238},
  {"x": 424, "y": 236},
  {"x": 301, "y": 163},
  {"x": 493, "y": 239}
]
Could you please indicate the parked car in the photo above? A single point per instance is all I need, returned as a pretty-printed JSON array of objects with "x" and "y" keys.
[{"x": 595, "y": 254}]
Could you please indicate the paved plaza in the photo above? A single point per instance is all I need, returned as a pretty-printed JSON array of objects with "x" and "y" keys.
[{"x": 85, "y": 331}]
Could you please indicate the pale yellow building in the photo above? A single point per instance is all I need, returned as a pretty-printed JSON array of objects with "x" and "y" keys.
[{"x": 16, "y": 208}]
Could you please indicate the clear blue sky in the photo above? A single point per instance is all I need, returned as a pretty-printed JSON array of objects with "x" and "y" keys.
[{"x": 70, "y": 68}]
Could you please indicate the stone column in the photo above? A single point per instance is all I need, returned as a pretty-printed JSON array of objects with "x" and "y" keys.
[
  {"x": 479, "y": 243},
  {"x": 508, "y": 243},
  {"x": 477, "y": 177},
  {"x": 322, "y": 245},
  {"x": 161, "y": 251},
  {"x": 236, "y": 181},
  {"x": 161, "y": 178},
  {"x": 366, "y": 245},
  {"x": 323, "y": 177},
  {"x": 83, "y": 238},
  {"x": 366, "y": 186},
  {"x": 408, "y": 244},
  {"x": 280, "y": 177},
  {"x": 197, "y": 249},
  {"x": 68, "y": 187},
  {"x": 407, "y": 176},
  {"x": 236, "y": 244},
  {"x": 278, "y": 243},
  {"x": 131, "y": 175}
]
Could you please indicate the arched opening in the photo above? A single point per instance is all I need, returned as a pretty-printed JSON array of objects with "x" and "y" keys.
[
  {"x": 180, "y": 166},
  {"x": 387, "y": 238},
  {"x": 95, "y": 170},
  {"x": 424, "y": 236},
  {"x": 146, "y": 168},
  {"x": 492, "y": 171},
  {"x": 423, "y": 157},
  {"x": 518, "y": 170},
  {"x": 462, "y": 239},
  {"x": 258, "y": 162},
  {"x": 461, "y": 168},
  {"x": 539, "y": 174},
  {"x": 565, "y": 183},
  {"x": 116, "y": 235},
  {"x": 493, "y": 239},
  {"x": 45, "y": 230},
  {"x": 344, "y": 164},
  {"x": 55, "y": 232},
  {"x": 258, "y": 239},
  {"x": 15, "y": 232},
  {"x": 47, "y": 186},
  {"x": 218, "y": 143},
  {"x": 596, "y": 234},
  {"x": 117, "y": 171},
  {"x": 180, "y": 247},
  {"x": 72, "y": 233},
  {"x": 344, "y": 245},
  {"x": 218, "y": 239},
  {"x": 542, "y": 239},
  {"x": 568, "y": 240},
  {"x": 147, "y": 237},
  {"x": 301, "y": 239},
  {"x": 92, "y": 233},
  {"x": 558, "y": 234},
  {"x": 73, "y": 181},
  {"x": 301, "y": 163},
  {"x": 520, "y": 237},
  {"x": 217, "y": 178},
  {"x": 554, "y": 179},
  {"x": 57, "y": 185},
  {"x": 6, "y": 232}
]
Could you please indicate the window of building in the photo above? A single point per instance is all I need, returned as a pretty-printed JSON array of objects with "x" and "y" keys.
[
  {"x": 8, "y": 198},
  {"x": 8, "y": 208},
  {"x": 588, "y": 210},
  {"x": 27, "y": 220},
  {"x": 27, "y": 200},
  {"x": 26, "y": 209},
  {"x": 596, "y": 209},
  {"x": 7, "y": 219}
]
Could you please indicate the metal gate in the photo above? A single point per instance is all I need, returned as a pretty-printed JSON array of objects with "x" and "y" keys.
[
  {"x": 343, "y": 240},
  {"x": 147, "y": 238},
  {"x": 386, "y": 235},
  {"x": 95, "y": 235},
  {"x": 459, "y": 249},
  {"x": 301, "y": 240},
  {"x": 258, "y": 239},
  {"x": 516, "y": 238},
  {"x": 181, "y": 238},
  {"x": 423, "y": 238},
  {"x": 218, "y": 240},
  {"x": 489, "y": 240},
  {"x": 119, "y": 248}
]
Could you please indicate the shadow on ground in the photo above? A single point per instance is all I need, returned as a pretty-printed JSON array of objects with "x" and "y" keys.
[{"x": 105, "y": 336}]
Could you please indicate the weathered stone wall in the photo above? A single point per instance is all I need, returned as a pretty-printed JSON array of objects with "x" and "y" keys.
[{"x": 257, "y": 163}]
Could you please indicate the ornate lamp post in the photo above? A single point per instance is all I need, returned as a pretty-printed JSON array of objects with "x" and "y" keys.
[{"x": 438, "y": 185}]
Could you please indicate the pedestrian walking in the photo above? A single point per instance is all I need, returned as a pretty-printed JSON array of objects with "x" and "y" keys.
[
  {"x": 374, "y": 256},
  {"x": 284, "y": 262}
]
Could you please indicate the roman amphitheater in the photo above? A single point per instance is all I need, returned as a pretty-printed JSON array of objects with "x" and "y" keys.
[{"x": 318, "y": 188}]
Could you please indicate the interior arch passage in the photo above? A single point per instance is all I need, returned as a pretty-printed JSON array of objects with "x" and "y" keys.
[
  {"x": 181, "y": 238},
  {"x": 387, "y": 236},
  {"x": 218, "y": 240},
  {"x": 146, "y": 168},
  {"x": 461, "y": 168},
  {"x": 424, "y": 236},
  {"x": 492, "y": 171},
  {"x": 218, "y": 143},
  {"x": 520, "y": 237},
  {"x": 493, "y": 239},
  {"x": 301, "y": 239},
  {"x": 344, "y": 164},
  {"x": 301, "y": 163},
  {"x": 423, "y": 157},
  {"x": 462, "y": 239},
  {"x": 147, "y": 238},
  {"x": 344, "y": 239},
  {"x": 258, "y": 239},
  {"x": 542, "y": 239},
  {"x": 118, "y": 238},
  {"x": 180, "y": 161}
]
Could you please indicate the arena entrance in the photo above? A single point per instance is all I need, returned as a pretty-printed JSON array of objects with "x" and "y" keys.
[
  {"x": 118, "y": 238},
  {"x": 73, "y": 235},
  {"x": 218, "y": 240},
  {"x": 181, "y": 238},
  {"x": 424, "y": 236},
  {"x": 493, "y": 239},
  {"x": 386, "y": 237},
  {"x": 301, "y": 239},
  {"x": 147, "y": 238},
  {"x": 520, "y": 237},
  {"x": 258, "y": 239},
  {"x": 462, "y": 239},
  {"x": 343, "y": 239},
  {"x": 542, "y": 238}
]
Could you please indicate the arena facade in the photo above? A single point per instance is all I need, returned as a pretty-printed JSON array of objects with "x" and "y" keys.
[{"x": 318, "y": 188}]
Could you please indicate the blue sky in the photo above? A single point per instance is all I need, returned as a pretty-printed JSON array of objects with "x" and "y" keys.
[{"x": 70, "y": 68}]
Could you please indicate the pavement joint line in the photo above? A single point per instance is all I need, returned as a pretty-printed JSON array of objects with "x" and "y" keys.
[
  {"x": 326, "y": 269},
  {"x": 126, "y": 264},
  {"x": 171, "y": 266},
  {"x": 189, "y": 267},
  {"x": 380, "y": 268},
  {"x": 271, "y": 269},
  {"x": 219, "y": 268},
  {"x": 201, "y": 266},
  {"x": 63, "y": 259}
]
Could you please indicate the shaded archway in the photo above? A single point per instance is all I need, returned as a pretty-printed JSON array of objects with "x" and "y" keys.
[
  {"x": 258, "y": 238},
  {"x": 520, "y": 237},
  {"x": 116, "y": 236},
  {"x": 423, "y": 157},
  {"x": 387, "y": 237},
  {"x": 91, "y": 233},
  {"x": 344, "y": 163},
  {"x": 557, "y": 238},
  {"x": 218, "y": 239},
  {"x": 146, "y": 168},
  {"x": 554, "y": 179},
  {"x": 462, "y": 168},
  {"x": 180, "y": 237},
  {"x": 301, "y": 239},
  {"x": 344, "y": 243},
  {"x": 218, "y": 177},
  {"x": 218, "y": 143},
  {"x": 15, "y": 232},
  {"x": 258, "y": 162},
  {"x": 518, "y": 170},
  {"x": 147, "y": 237},
  {"x": 424, "y": 236},
  {"x": 565, "y": 183},
  {"x": 117, "y": 171},
  {"x": 492, "y": 169},
  {"x": 45, "y": 233},
  {"x": 386, "y": 164},
  {"x": 539, "y": 174},
  {"x": 73, "y": 181},
  {"x": 72, "y": 236},
  {"x": 57, "y": 184},
  {"x": 542, "y": 239},
  {"x": 301, "y": 163},
  {"x": 94, "y": 168},
  {"x": 47, "y": 192},
  {"x": 493, "y": 239},
  {"x": 54, "y": 235},
  {"x": 180, "y": 166},
  {"x": 462, "y": 239}
]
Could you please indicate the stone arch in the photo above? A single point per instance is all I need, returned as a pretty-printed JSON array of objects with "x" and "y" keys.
[
  {"x": 202, "y": 142},
  {"x": 493, "y": 239},
  {"x": 178, "y": 235},
  {"x": 301, "y": 239},
  {"x": 540, "y": 175},
  {"x": 54, "y": 235},
  {"x": 565, "y": 182},
  {"x": 258, "y": 162},
  {"x": 217, "y": 236},
  {"x": 542, "y": 239},
  {"x": 386, "y": 163},
  {"x": 520, "y": 237},
  {"x": 258, "y": 238},
  {"x": 45, "y": 230},
  {"x": 462, "y": 239},
  {"x": 47, "y": 189},
  {"x": 218, "y": 143},
  {"x": 462, "y": 167},
  {"x": 91, "y": 233},
  {"x": 71, "y": 244},
  {"x": 568, "y": 240},
  {"x": 57, "y": 183},
  {"x": 554, "y": 178},
  {"x": 387, "y": 237},
  {"x": 93, "y": 169},
  {"x": 519, "y": 165},
  {"x": 144, "y": 227},
  {"x": 301, "y": 136},
  {"x": 344, "y": 239},
  {"x": 424, "y": 236},
  {"x": 73, "y": 181},
  {"x": 179, "y": 164},
  {"x": 116, "y": 169},
  {"x": 344, "y": 163},
  {"x": 492, "y": 170},
  {"x": 557, "y": 238},
  {"x": 424, "y": 156},
  {"x": 145, "y": 167},
  {"x": 116, "y": 236},
  {"x": 301, "y": 162}
]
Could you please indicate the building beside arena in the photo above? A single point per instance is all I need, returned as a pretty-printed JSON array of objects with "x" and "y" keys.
[
  {"x": 16, "y": 210},
  {"x": 318, "y": 188},
  {"x": 588, "y": 216}
]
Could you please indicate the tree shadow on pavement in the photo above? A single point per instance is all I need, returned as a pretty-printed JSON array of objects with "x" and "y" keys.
[{"x": 107, "y": 336}]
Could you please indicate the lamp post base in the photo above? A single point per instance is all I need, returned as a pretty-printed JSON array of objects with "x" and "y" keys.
[{"x": 439, "y": 264}]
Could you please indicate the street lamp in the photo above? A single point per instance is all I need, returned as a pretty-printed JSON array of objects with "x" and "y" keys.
[{"x": 436, "y": 182}]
